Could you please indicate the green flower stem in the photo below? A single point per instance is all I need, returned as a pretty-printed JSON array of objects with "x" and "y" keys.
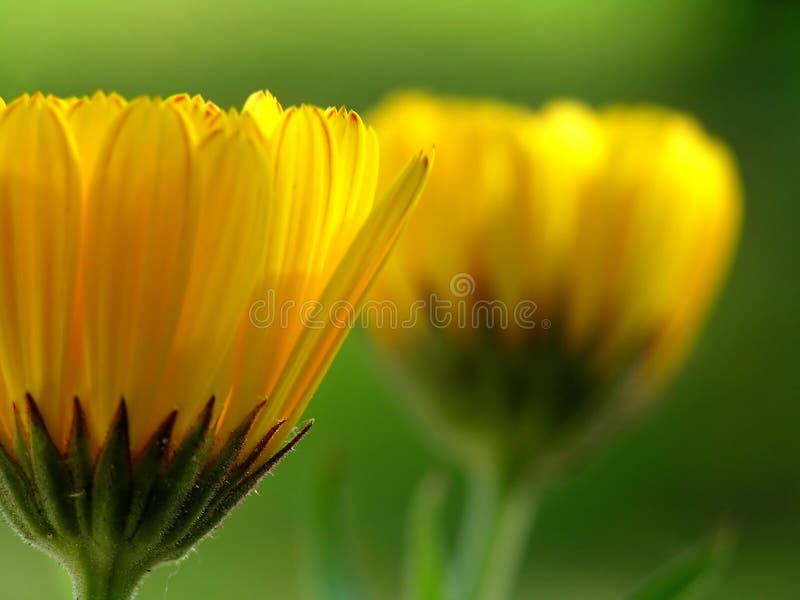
[
  {"x": 507, "y": 545},
  {"x": 476, "y": 531},
  {"x": 497, "y": 522},
  {"x": 99, "y": 575}
]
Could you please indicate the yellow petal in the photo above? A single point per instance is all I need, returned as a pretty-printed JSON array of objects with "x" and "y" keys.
[
  {"x": 40, "y": 222},
  {"x": 664, "y": 190},
  {"x": 478, "y": 172},
  {"x": 344, "y": 296},
  {"x": 63, "y": 105},
  {"x": 140, "y": 231},
  {"x": 707, "y": 261},
  {"x": 565, "y": 150},
  {"x": 204, "y": 116},
  {"x": 655, "y": 180},
  {"x": 227, "y": 261},
  {"x": 303, "y": 168},
  {"x": 357, "y": 148},
  {"x": 91, "y": 120},
  {"x": 266, "y": 110}
]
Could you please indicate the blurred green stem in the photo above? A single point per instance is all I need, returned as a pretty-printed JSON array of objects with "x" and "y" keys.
[
  {"x": 334, "y": 573},
  {"x": 497, "y": 522}
]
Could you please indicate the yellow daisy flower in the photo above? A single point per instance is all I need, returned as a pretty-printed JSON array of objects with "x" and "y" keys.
[
  {"x": 153, "y": 358},
  {"x": 554, "y": 277},
  {"x": 573, "y": 249}
]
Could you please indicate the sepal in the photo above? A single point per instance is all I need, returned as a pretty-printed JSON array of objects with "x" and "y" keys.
[
  {"x": 113, "y": 482},
  {"x": 146, "y": 472},
  {"x": 51, "y": 475},
  {"x": 119, "y": 514},
  {"x": 81, "y": 467},
  {"x": 21, "y": 448},
  {"x": 230, "y": 494},
  {"x": 18, "y": 505},
  {"x": 174, "y": 484},
  {"x": 213, "y": 477}
]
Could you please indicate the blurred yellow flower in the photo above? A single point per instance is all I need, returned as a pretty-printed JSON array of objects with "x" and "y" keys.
[
  {"x": 136, "y": 239},
  {"x": 574, "y": 250}
]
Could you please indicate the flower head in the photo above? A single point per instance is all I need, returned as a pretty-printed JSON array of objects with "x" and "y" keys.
[
  {"x": 576, "y": 250},
  {"x": 140, "y": 242}
]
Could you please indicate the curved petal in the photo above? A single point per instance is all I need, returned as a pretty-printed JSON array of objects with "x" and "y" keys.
[
  {"x": 357, "y": 148},
  {"x": 265, "y": 110},
  {"x": 556, "y": 157},
  {"x": 697, "y": 269},
  {"x": 303, "y": 180},
  {"x": 91, "y": 120},
  {"x": 227, "y": 260},
  {"x": 346, "y": 292},
  {"x": 204, "y": 116},
  {"x": 140, "y": 231},
  {"x": 673, "y": 199},
  {"x": 40, "y": 224},
  {"x": 478, "y": 173}
]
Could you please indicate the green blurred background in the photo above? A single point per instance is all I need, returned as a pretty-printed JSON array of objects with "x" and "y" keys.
[{"x": 725, "y": 447}]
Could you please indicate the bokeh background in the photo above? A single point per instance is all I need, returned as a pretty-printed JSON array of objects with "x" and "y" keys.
[{"x": 725, "y": 448}]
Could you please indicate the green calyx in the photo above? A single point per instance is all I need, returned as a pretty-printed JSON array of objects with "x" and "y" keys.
[
  {"x": 530, "y": 405},
  {"x": 112, "y": 518}
]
